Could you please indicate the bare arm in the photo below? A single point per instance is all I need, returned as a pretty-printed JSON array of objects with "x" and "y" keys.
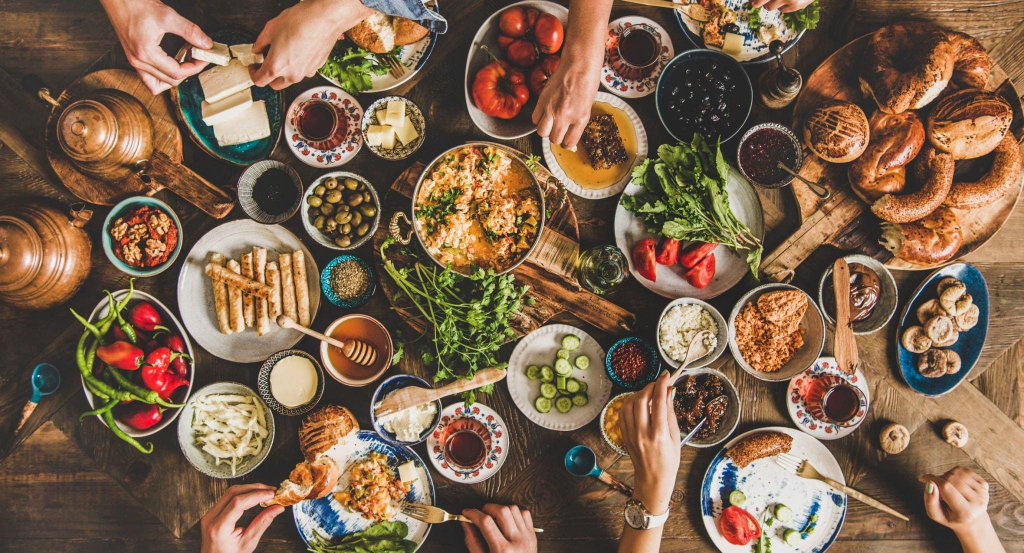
[{"x": 958, "y": 500}]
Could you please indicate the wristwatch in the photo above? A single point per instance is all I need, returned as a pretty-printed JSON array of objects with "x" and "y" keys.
[{"x": 639, "y": 518}]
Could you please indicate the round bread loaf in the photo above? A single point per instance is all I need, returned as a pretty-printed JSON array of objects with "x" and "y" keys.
[
  {"x": 972, "y": 65},
  {"x": 907, "y": 66},
  {"x": 837, "y": 131},
  {"x": 932, "y": 173},
  {"x": 324, "y": 428},
  {"x": 969, "y": 123},
  {"x": 933, "y": 239},
  {"x": 896, "y": 140},
  {"x": 1000, "y": 178}
]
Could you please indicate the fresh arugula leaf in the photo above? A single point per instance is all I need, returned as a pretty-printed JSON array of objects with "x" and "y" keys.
[
  {"x": 353, "y": 67},
  {"x": 754, "y": 19}
]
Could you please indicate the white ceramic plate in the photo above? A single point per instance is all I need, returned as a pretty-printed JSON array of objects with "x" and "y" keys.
[
  {"x": 638, "y": 157},
  {"x": 623, "y": 85},
  {"x": 493, "y": 459},
  {"x": 766, "y": 484},
  {"x": 810, "y": 424},
  {"x": 195, "y": 291},
  {"x": 538, "y": 348},
  {"x": 487, "y": 35},
  {"x": 730, "y": 268},
  {"x": 204, "y": 462},
  {"x": 348, "y": 108}
]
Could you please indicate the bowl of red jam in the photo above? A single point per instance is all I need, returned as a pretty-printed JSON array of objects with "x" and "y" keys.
[
  {"x": 632, "y": 363},
  {"x": 762, "y": 148}
]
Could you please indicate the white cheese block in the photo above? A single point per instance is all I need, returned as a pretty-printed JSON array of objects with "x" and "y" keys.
[
  {"x": 380, "y": 115},
  {"x": 228, "y": 108},
  {"x": 406, "y": 133},
  {"x": 387, "y": 138},
  {"x": 220, "y": 82},
  {"x": 243, "y": 53},
  {"x": 395, "y": 115},
  {"x": 407, "y": 471},
  {"x": 251, "y": 124},
  {"x": 733, "y": 44},
  {"x": 374, "y": 135},
  {"x": 218, "y": 55}
]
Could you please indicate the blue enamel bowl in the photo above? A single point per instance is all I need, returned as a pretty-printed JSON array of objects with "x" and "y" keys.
[
  {"x": 392, "y": 384},
  {"x": 122, "y": 209},
  {"x": 328, "y": 290},
  {"x": 188, "y": 98},
  {"x": 969, "y": 344},
  {"x": 653, "y": 362}
]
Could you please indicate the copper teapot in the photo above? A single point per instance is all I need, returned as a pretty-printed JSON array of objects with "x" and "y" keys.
[{"x": 44, "y": 253}]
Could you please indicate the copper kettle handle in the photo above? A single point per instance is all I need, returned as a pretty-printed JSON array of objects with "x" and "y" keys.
[
  {"x": 78, "y": 215},
  {"x": 36, "y": 86}
]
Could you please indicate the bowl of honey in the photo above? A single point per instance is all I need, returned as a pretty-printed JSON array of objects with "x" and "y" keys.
[{"x": 357, "y": 326}]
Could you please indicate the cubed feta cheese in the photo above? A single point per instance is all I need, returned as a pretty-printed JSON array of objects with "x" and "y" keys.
[
  {"x": 228, "y": 108},
  {"x": 396, "y": 113},
  {"x": 387, "y": 138},
  {"x": 252, "y": 124},
  {"x": 406, "y": 134},
  {"x": 218, "y": 55},
  {"x": 243, "y": 53}
]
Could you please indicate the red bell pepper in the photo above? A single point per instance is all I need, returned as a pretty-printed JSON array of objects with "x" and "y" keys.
[
  {"x": 643, "y": 259},
  {"x": 138, "y": 415},
  {"x": 119, "y": 334},
  {"x": 145, "y": 316},
  {"x": 668, "y": 251},
  {"x": 121, "y": 355},
  {"x": 695, "y": 252},
  {"x": 700, "y": 276},
  {"x": 173, "y": 383},
  {"x": 180, "y": 364}
]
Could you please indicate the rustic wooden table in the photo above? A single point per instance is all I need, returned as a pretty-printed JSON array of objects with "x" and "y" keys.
[{"x": 70, "y": 486}]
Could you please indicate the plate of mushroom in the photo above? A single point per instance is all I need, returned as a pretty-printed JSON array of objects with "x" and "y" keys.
[{"x": 943, "y": 329}]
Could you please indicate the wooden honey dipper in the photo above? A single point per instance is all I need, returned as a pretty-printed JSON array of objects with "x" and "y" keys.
[{"x": 357, "y": 350}]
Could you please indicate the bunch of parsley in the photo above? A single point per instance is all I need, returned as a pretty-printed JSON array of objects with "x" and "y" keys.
[
  {"x": 467, "y": 318},
  {"x": 684, "y": 198},
  {"x": 353, "y": 67}
]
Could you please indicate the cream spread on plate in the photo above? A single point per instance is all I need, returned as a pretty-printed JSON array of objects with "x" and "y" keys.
[
  {"x": 293, "y": 381},
  {"x": 408, "y": 424}
]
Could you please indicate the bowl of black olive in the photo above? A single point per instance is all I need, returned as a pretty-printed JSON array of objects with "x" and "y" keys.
[
  {"x": 342, "y": 210},
  {"x": 706, "y": 92}
]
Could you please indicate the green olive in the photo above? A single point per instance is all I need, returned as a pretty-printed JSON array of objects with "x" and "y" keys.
[
  {"x": 344, "y": 208},
  {"x": 357, "y": 218},
  {"x": 345, "y": 229},
  {"x": 341, "y": 217},
  {"x": 363, "y": 229},
  {"x": 319, "y": 221},
  {"x": 331, "y": 183},
  {"x": 351, "y": 184},
  {"x": 368, "y": 210},
  {"x": 355, "y": 200},
  {"x": 319, "y": 190},
  {"x": 315, "y": 201},
  {"x": 343, "y": 241},
  {"x": 327, "y": 209},
  {"x": 334, "y": 196},
  {"x": 330, "y": 225},
  {"x": 367, "y": 197}
]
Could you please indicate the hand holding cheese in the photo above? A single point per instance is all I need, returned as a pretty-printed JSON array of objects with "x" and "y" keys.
[
  {"x": 228, "y": 106},
  {"x": 297, "y": 42},
  {"x": 140, "y": 26}
]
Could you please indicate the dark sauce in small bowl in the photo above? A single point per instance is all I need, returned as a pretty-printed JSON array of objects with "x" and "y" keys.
[
  {"x": 761, "y": 152},
  {"x": 275, "y": 192}
]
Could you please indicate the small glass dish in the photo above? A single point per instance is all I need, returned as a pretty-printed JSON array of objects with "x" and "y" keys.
[
  {"x": 328, "y": 290},
  {"x": 653, "y": 360},
  {"x": 798, "y": 155}
]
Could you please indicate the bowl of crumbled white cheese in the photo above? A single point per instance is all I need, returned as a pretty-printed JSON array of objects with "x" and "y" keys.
[
  {"x": 409, "y": 426},
  {"x": 680, "y": 322}
]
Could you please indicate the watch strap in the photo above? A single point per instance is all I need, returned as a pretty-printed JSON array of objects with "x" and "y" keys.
[{"x": 654, "y": 521}]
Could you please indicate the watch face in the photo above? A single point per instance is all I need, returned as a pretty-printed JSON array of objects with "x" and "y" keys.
[{"x": 635, "y": 516}]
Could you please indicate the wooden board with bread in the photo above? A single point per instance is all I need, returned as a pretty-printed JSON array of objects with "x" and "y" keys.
[{"x": 916, "y": 132}]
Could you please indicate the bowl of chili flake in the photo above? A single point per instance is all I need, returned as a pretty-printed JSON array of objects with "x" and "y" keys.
[
  {"x": 142, "y": 236},
  {"x": 632, "y": 363}
]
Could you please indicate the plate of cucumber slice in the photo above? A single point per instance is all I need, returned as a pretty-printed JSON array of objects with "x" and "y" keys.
[{"x": 556, "y": 377}]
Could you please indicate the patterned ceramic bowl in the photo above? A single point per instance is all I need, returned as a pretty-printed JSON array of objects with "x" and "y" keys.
[
  {"x": 263, "y": 380},
  {"x": 653, "y": 364},
  {"x": 328, "y": 289},
  {"x": 415, "y": 116},
  {"x": 392, "y": 384},
  {"x": 122, "y": 209},
  {"x": 248, "y": 180}
]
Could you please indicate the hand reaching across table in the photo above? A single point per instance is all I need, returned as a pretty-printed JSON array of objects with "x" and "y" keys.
[
  {"x": 140, "y": 26},
  {"x": 220, "y": 535},
  {"x": 784, "y": 6},
  {"x": 958, "y": 500},
  {"x": 500, "y": 529}
]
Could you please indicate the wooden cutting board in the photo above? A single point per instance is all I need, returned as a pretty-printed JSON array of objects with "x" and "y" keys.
[
  {"x": 844, "y": 221},
  {"x": 549, "y": 271}
]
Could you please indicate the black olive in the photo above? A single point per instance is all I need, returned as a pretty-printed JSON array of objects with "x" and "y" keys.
[{"x": 731, "y": 28}]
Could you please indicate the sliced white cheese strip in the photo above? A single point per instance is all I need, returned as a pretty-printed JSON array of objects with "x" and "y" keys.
[
  {"x": 395, "y": 115},
  {"x": 217, "y": 55},
  {"x": 228, "y": 108},
  {"x": 387, "y": 139},
  {"x": 251, "y": 124},
  {"x": 220, "y": 82},
  {"x": 243, "y": 53},
  {"x": 406, "y": 133}
]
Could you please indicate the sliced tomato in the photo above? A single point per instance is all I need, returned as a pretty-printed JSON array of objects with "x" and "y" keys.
[
  {"x": 668, "y": 251},
  {"x": 695, "y": 252},
  {"x": 643, "y": 259},
  {"x": 702, "y": 273},
  {"x": 737, "y": 526}
]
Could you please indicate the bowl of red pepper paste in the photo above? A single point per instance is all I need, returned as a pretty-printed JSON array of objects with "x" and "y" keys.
[
  {"x": 142, "y": 236},
  {"x": 632, "y": 363}
]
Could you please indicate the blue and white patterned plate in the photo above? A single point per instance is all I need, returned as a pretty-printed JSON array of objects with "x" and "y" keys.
[
  {"x": 625, "y": 86},
  {"x": 327, "y": 518},
  {"x": 348, "y": 108},
  {"x": 400, "y": 151},
  {"x": 968, "y": 346},
  {"x": 754, "y": 49},
  {"x": 797, "y": 406},
  {"x": 766, "y": 484}
]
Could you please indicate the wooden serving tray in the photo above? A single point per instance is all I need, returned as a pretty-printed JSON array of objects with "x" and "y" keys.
[
  {"x": 549, "y": 271},
  {"x": 844, "y": 220}
]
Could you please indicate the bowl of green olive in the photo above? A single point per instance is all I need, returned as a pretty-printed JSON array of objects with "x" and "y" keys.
[{"x": 341, "y": 210}]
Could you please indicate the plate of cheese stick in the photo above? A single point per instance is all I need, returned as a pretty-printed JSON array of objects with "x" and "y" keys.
[{"x": 236, "y": 281}]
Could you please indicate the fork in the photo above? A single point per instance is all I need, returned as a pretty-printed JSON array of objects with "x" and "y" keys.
[
  {"x": 804, "y": 469},
  {"x": 397, "y": 69},
  {"x": 435, "y": 515}
]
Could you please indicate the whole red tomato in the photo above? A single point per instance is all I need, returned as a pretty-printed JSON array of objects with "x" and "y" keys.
[
  {"x": 548, "y": 33},
  {"x": 737, "y": 526},
  {"x": 521, "y": 52},
  {"x": 499, "y": 90},
  {"x": 514, "y": 22},
  {"x": 541, "y": 72}
]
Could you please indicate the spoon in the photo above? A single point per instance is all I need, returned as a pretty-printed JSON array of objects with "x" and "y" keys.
[
  {"x": 357, "y": 350},
  {"x": 694, "y": 351},
  {"x": 818, "y": 189},
  {"x": 45, "y": 381},
  {"x": 581, "y": 461}
]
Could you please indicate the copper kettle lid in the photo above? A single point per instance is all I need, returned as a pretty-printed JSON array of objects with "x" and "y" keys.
[
  {"x": 21, "y": 253},
  {"x": 87, "y": 130}
]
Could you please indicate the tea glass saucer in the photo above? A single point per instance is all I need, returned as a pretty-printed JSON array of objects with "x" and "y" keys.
[
  {"x": 493, "y": 459},
  {"x": 348, "y": 108},
  {"x": 797, "y": 407},
  {"x": 629, "y": 86}
]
